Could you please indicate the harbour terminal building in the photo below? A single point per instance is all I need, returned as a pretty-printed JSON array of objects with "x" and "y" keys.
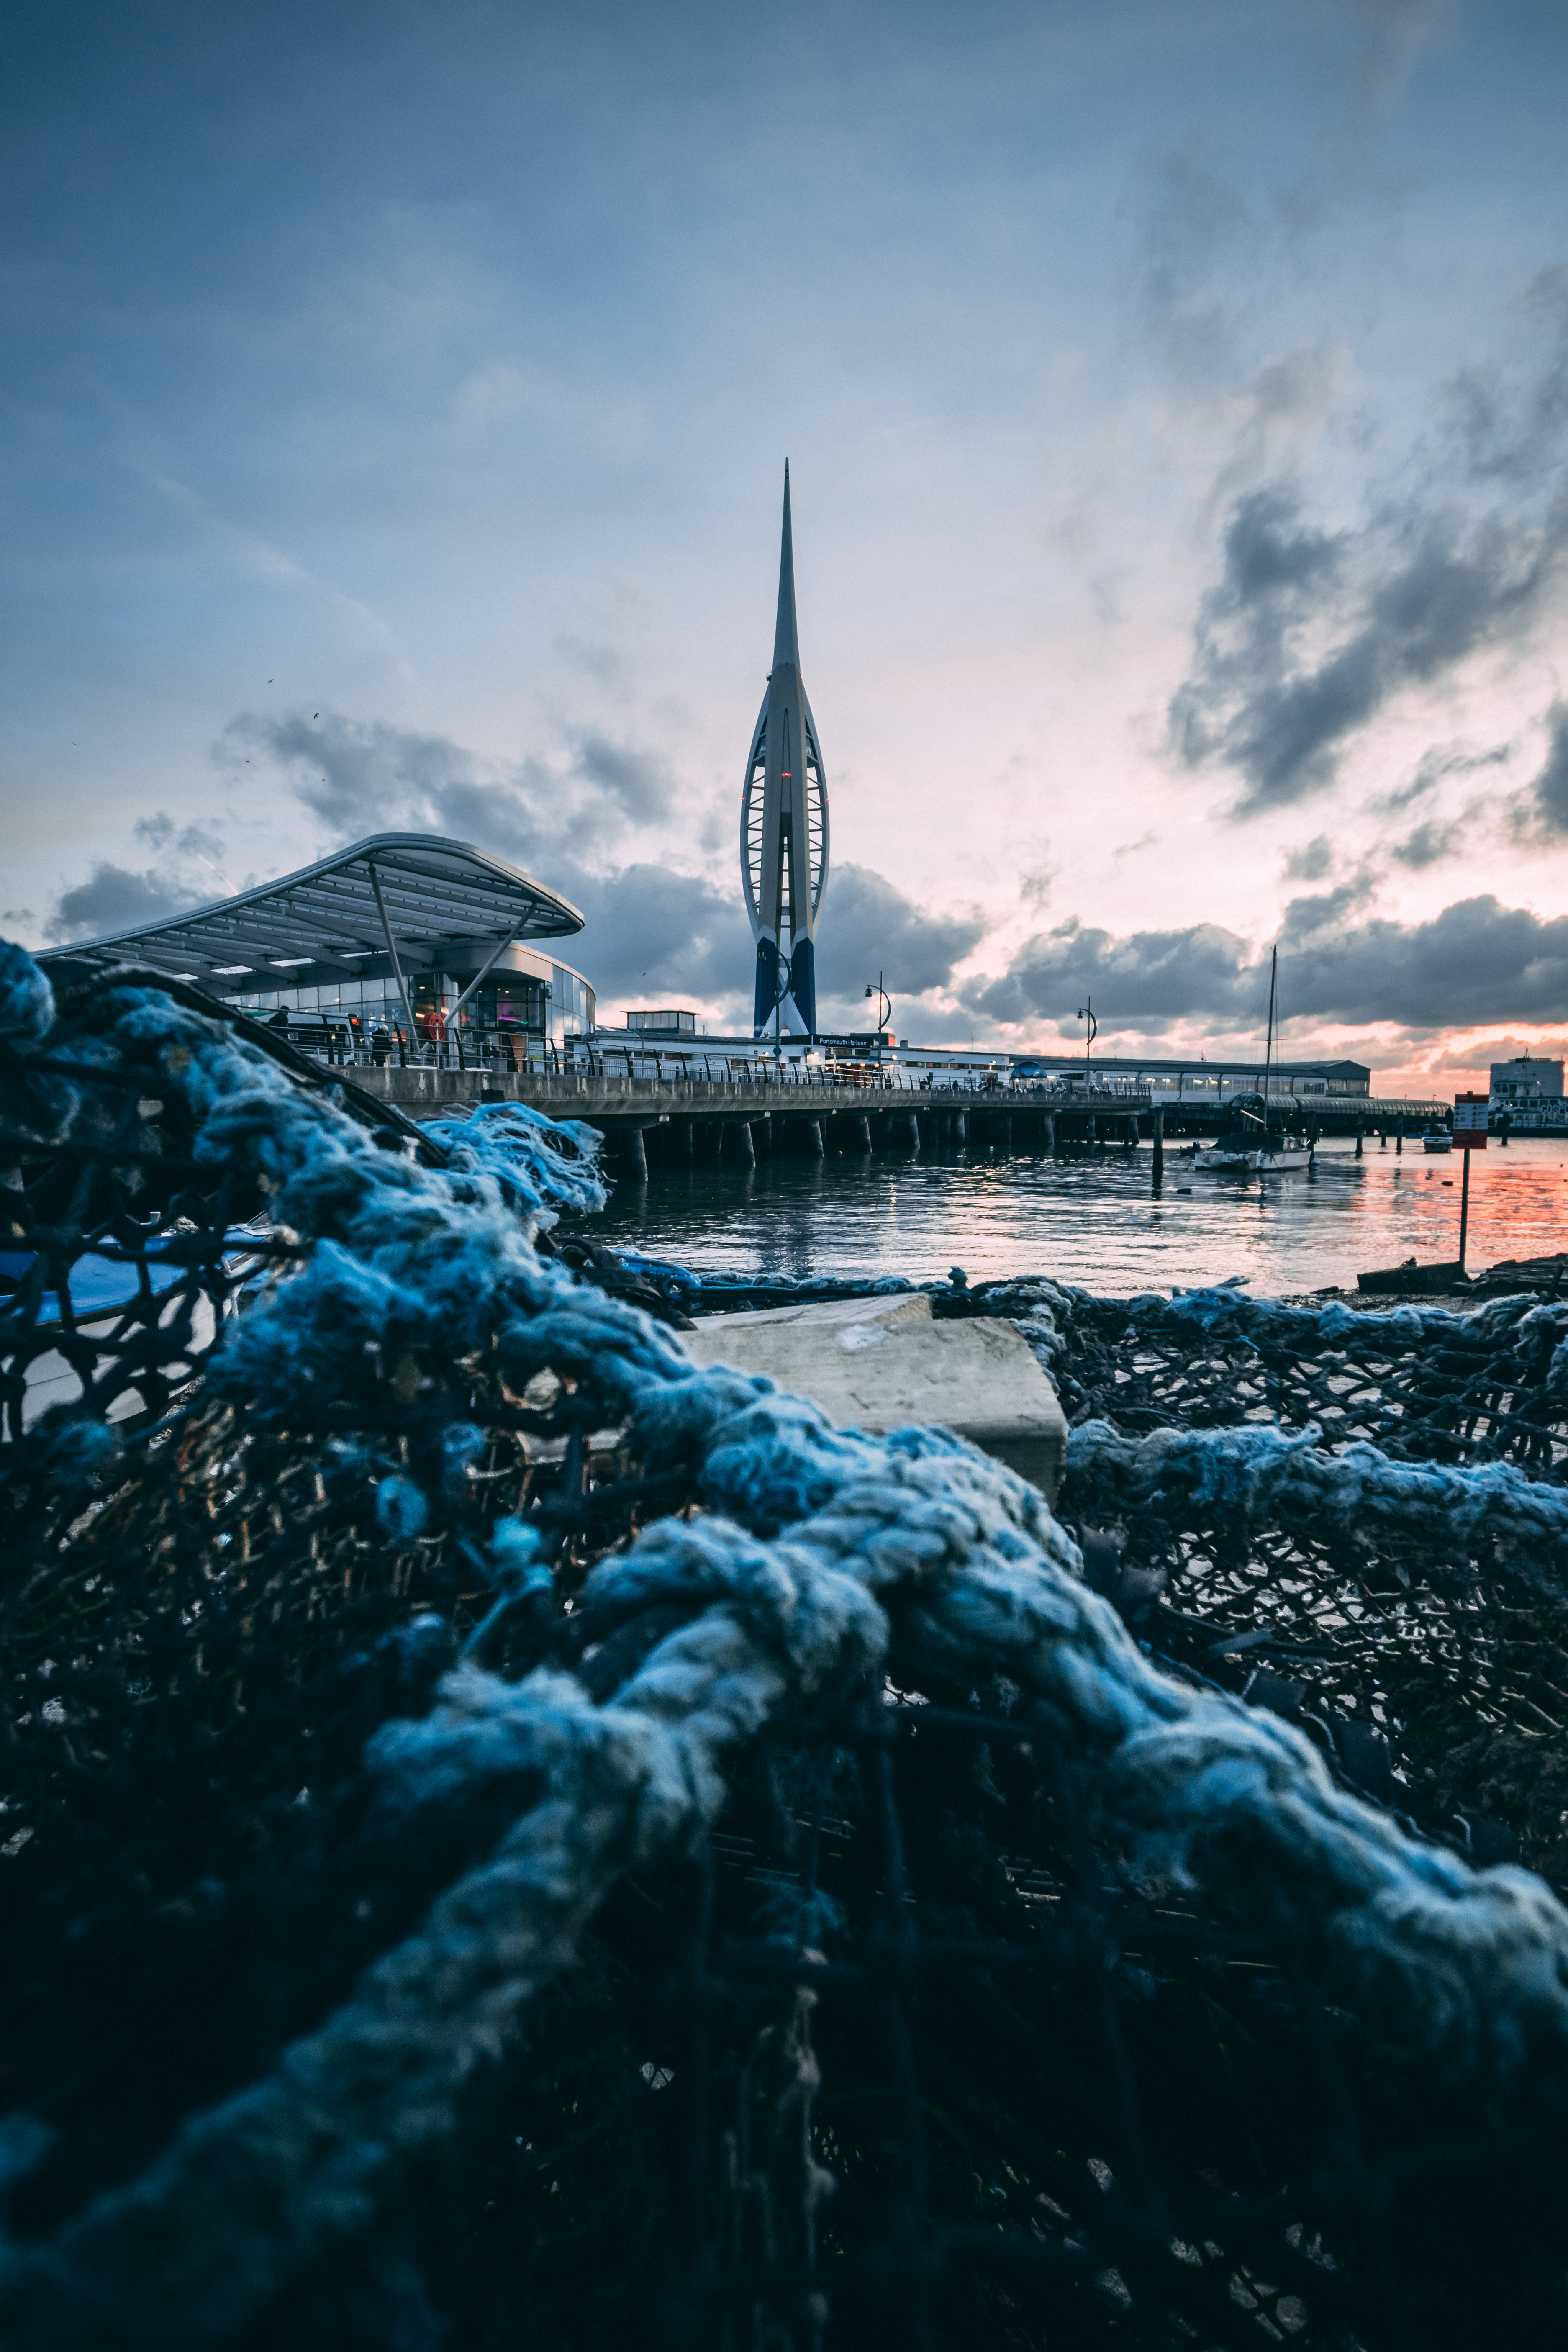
[{"x": 406, "y": 946}]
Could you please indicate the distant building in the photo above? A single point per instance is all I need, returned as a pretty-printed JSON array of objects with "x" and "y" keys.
[
  {"x": 1525, "y": 1081},
  {"x": 1529, "y": 1094},
  {"x": 666, "y": 1024}
]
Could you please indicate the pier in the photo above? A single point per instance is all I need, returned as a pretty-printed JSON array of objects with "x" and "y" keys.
[{"x": 743, "y": 1112}]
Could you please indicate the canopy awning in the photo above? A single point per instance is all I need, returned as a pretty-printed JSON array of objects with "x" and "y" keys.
[{"x": 412, "y": 898}]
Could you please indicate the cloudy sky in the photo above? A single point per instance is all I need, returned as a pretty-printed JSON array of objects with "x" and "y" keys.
[{"x": 1176, "y": 396}]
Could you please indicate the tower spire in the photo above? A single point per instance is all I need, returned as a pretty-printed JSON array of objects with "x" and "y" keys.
[
  {"x": 787, "y": 639},
  {"x": 784, "y": 827}
]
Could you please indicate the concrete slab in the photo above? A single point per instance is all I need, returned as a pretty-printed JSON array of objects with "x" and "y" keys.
[{"x": 879, "y": 1364}]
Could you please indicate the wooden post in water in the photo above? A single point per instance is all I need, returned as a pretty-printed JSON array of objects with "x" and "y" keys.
[
  {"x": 1464, "y": 1210},
  {"x": 1399, "y": 1138},
  {"x": 811, "y": 1138},
  {"x": 961, "y": 1127},
  {"x": 745, "y": 1148},
  {"x": 1358, "y": 1138},
  {"x": 860, "y": 1129},
  {"x": 1158, "y": 1123},
  {"x": 1049, "y": 1125},
  {"x": 635, "y": 1155}
]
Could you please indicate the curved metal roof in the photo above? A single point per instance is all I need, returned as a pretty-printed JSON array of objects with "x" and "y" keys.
[{"x": 412, "y": 896}]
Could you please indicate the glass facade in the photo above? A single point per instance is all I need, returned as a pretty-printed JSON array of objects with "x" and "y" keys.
[
  {"x": 522, "y": 1001},
  {"x": 573, "y": 1008}
]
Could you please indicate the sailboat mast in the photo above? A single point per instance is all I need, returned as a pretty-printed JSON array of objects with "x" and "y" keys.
[{"x": 1268, "y": 1048}]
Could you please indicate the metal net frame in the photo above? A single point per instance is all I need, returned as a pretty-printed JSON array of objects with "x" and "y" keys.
[{"x": 900, "y": 2034}]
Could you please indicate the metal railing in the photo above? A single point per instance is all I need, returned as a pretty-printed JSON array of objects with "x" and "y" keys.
[{"x": 507, "y": 1055}]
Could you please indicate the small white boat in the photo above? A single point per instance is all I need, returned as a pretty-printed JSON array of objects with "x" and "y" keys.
[
  {"x": 1436, "y": 1139},
  {"x": 1261, "y": 1160}
]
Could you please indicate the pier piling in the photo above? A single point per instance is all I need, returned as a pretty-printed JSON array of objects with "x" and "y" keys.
[{"x": 1158, "y": 1125}]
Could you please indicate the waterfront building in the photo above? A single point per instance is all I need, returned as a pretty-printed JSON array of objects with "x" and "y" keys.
[
  {"x": 784, "y": 828},
  {"x": 1172, "y": 1082},
  {"x": 405, "y": 935},
  {"x": 1531, "y": 1093}
]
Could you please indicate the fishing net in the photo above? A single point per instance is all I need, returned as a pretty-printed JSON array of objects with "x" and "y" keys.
[{"x": 512, "y": 1839}]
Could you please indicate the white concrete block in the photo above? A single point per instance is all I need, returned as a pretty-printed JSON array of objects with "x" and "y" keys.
[{"x": 879, "y": 1364}]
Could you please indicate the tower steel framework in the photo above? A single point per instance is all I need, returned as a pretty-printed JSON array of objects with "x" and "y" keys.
[{"x": 784, "y": 827}]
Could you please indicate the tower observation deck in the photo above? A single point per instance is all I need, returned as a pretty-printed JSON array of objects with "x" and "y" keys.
[{"x": 783, "y": 827}]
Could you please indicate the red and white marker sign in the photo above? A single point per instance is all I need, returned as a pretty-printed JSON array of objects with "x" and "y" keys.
[{"x": 1470, "y": 1122}]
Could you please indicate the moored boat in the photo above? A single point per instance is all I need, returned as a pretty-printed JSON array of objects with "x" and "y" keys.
[{"x": 1257, "y": 1141}]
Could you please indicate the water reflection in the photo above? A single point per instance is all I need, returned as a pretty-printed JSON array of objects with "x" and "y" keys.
[{"x": 1096, "y": 1217}]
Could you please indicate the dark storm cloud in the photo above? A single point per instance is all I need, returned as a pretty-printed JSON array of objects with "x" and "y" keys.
[
  {"x": 1147, "y": 979},
  {"x": 871, "y": 927},
  {"x": 1312, "y": 861},
  {"x": 1428, "y": 844},
  {"x": 1327, "y": 910},
  {"x": 185, "y": 872},
  {"x": 112, "y": 898},
  {"x": 1539, "y": 814},
  {"x": 656, "y": 935},
  {"x": 161, "y": 833},
  {"x": 1477, "y": 961},
  {"x": 638, "y": 781},
  {"x": 366, "y": 776},
  {"x": 1402, "y": 603},
  {"x": 358, "y": 776}
]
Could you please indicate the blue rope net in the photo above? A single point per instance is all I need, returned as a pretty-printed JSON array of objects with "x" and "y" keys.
[{"x": 511, "y": 1836}]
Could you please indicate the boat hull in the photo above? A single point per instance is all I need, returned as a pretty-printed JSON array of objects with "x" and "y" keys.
[{"x": 1257, "y": 1163}]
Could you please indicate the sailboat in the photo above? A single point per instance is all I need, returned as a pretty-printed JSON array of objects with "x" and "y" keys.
[{"x": 1256, "y": 1140}]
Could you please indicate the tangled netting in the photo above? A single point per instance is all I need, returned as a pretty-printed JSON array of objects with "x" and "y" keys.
[{"x": 510, "y": 1837}]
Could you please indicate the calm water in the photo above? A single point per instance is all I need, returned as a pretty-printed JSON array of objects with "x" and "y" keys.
[{"x": 1093, "y": 1220}]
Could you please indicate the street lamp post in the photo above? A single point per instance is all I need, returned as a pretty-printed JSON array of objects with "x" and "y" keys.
[
  {"x": 885, "y": 1010},
  {"x": 1086, "y": 1012}
]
